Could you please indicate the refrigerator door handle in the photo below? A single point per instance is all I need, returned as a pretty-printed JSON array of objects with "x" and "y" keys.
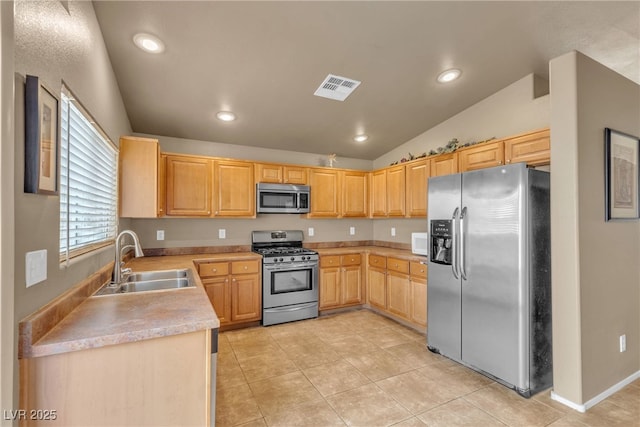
[
  {"x": 463, "y": 233},
  {"x": 454, "y": 245}
]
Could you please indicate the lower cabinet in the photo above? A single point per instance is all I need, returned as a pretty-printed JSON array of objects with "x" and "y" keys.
[
  {"x": 234, "y": 288},
  {"x": 341, "y": 283},
  {"x": 398, "y": 287},
  {"x": 160, "y": 381}
]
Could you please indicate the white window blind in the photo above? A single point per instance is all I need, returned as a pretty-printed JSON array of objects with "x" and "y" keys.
[{"x": 88, "y": 182}]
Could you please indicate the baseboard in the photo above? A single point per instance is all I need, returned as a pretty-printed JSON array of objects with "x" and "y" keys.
[{"x": 597, "y": 399}]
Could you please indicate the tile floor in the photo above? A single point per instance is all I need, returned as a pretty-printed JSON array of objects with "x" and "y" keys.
[{"x": 361, "y": 369}]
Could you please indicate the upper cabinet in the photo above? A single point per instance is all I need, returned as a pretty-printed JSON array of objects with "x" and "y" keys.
[
  {"x": 417, "y": 179},
  {"x": 281, "y": 174},
  {"x": 444, "y": 164},
  {"x": 486, "y": 155},
  {"x": 141, "y": 178},
  {"x": 355, "y": 194},
  {"x": 533, "y": 148},
  {"x": 325, "y": 193},
  {"x": 388, "y": 192},
  {"x": 189, "y": 185},
  {"x": 234, "y": 189}
]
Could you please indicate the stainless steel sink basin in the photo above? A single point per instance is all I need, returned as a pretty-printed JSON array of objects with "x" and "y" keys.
[
  {"x": 150, "y": 281},
  {"x": 156, "y": 275}
]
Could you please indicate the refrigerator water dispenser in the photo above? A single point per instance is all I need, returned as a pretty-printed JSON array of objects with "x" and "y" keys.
[{"x": 442, "y": 241}]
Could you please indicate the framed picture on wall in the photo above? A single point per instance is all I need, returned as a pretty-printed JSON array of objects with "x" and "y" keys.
[
  {"x": 622, "y": 156},
  {"x": 42, "y": 132}
]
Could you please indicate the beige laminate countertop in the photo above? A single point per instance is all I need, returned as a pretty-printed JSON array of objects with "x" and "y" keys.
[
  {"x": 378, "y": 250},
  {"x": 117, "y": 319}
]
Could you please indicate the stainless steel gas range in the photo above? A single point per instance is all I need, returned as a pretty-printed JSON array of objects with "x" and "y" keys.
[{"x": 289, "y": 276}]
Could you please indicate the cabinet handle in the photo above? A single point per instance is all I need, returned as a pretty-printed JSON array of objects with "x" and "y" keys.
[
  {"x": 508, "y": 161},
  {"x": 233, "y": 280},
  {"x": 215, "y": 270},
  {"x": 245, "y": 267}
]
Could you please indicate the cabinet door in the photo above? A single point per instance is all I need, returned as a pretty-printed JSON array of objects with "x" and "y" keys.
[
  {"x": 351, "y": 285},
  {"x": 379, "y": 193},
  {"x": 234, "y": 189},
  {"x": 533, "y": 148},
  {"x": 140, "y": 178},
  {"x": 376, "y": 292},
  {"x": 481, "y": 156},
  {"x": 220, "y": 296},
  {"x": 354, "y": 194},
  {"x": 395, "y": 191},
  {"x": 189, "y": 186},
  {"x": 444, "y": 164},
  {"x": 266, "y": 172},
  {"x": 329, "y": 287},
  {"x": 295, "y": 175},
  {"x": 246, "y": 297},
  {"x": 419, "y": 301},
  {"x": 162, "y": 183},
  {"x": 417, "y": 175},
  {"x": 398, "y": 294},
  {"x": 325, "y": 193}
]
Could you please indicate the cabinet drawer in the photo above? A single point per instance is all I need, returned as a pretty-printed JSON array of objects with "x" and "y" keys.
[
  {"x": 245, "y": 267},
  {"x": 351, "y": 259},
  {"x": 418, "y": 270},
  {"x": 397, "y": 264},
  {"x": 330, "y": 261},
  {"x": 377, "y": 261},
  {"x": 211, "y": 269}
]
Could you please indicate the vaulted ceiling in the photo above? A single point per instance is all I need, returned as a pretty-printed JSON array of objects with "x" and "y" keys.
[{"x": 264, "y": 60}]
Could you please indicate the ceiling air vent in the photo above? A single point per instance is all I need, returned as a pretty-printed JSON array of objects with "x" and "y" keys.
[{"x": 336, "y": 87}]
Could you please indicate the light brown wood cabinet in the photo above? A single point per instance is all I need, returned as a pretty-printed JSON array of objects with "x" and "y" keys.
[
  {"x": 141, "y": 178},
  {"x": 281, "y": 174},
  {"x": 234, "y": 189},
  {"x": 388, "y": 192},
  {"x": 398, "y": 288},
  {"x": 160, "y": 381},
  {"x": 534, "y": 148},
  {"x": 234, "y": 289},
  {"x": 444, "y": 164},
  {"x": 189, "y": 185},
  {"x": 325, "y": 193},
  {"x": 377, "y": 281},
  {"x": 417, "y": 177},
  {"x": 341, "y": 283},
  {"x": 418, "y": 282},
  {"x": 355, "y": 194},
  {"x": 480, "y": 156}
]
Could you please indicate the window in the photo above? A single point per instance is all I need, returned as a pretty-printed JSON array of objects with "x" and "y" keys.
[{"x": 88, "y": 182}]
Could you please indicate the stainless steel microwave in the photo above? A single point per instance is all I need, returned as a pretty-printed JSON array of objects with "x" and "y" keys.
[{"x": 282, "y": 198}]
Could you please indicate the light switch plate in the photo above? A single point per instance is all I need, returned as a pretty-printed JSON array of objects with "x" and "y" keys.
[
  {"x": 352, "y": 230},
  {"x": 35, "y": 267},
  {"x": 393, "y": 231},
  {"x": 310, "y": 231},
  {"x": 159, "y": 234},
  {"x": 222, "y": 233}
]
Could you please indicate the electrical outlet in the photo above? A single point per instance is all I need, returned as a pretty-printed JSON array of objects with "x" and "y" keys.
[
  {"x": 222, "y": 233},
  {"x": 35, "y": 267},
  {"x": 352, "y": 230},
  {"x": 393, "y": 231},
  {"x": 159, "y": 234},
  {"x": 311, "y": 231},
  {"x": 623, "y": 343}
]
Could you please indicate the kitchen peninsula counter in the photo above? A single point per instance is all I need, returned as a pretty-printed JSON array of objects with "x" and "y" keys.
[{"x": 99, "y": 321}]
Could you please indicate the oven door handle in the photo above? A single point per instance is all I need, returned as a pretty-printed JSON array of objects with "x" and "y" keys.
[
  {"x": 296, "y": 308},
  {"x": 289, "y": 266}
]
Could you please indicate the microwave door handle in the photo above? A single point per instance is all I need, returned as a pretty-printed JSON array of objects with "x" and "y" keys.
[{"x": 454, "y": 245}]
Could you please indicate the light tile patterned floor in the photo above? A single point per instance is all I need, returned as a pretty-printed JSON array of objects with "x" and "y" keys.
[{"x": 361, "y": 369}]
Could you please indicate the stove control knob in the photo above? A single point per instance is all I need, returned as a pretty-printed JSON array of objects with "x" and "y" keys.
[
  {"x": 293, "y": 258},
  {"x": 280, "y": 260}
]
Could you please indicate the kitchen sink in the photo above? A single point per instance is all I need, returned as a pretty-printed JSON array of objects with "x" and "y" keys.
[{"x": 150, "y": 281}]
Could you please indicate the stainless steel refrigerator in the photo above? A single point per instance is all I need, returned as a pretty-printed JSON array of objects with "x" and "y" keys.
[{"x": 489, "y": 286}]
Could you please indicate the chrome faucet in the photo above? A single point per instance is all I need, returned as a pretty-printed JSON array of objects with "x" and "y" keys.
[{"x": 118, "y": 271}]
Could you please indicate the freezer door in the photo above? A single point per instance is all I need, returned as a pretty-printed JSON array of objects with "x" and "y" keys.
[
  {"x": 443, "y": 291},
  {"x": 493, "y": 268}
]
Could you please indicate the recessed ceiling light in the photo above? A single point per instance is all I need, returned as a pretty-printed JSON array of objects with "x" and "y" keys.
[
  {"x": 148, "y": 43},
  {"x": 226, "y": 116},
  {"x": 449, "y": 75},
  {"x": 360, "y": 138}
]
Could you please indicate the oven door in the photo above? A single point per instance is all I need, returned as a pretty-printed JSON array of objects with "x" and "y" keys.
[{"x": 289, "y": 283}]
